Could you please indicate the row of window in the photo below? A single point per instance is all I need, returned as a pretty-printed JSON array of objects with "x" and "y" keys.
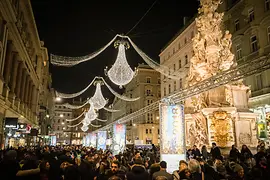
[
  {"x": 148, "y": 80},
  {"x": 149, "y": 131},
  {"x": 62, "y": 114},
  {"x": 179, "y": 45},
  {"x": 174, "y": 87},
  {"x": 254, "y": 47}
]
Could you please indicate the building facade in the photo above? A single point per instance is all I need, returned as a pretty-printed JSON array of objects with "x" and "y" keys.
[
  {"x": 146, "y": 85},
  {"x": 23, "y": 65},
  {"x": 249, "y": 23},
  {"x": 60, "y": 125},
  {"x": 176, "y": 55}
]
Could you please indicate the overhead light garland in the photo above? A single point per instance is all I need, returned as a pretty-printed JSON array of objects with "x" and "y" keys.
[
  {"x": 91, "y": 114},
  {"x": 125, "y": 98},
  {"x": 64, "y": 95},
  {"x": 72, "y": 61},
  {"x": 98, "y": 101},
  {"x": 120, "y": 73}
]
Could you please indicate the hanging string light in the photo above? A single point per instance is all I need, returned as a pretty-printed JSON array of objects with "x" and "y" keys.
[
  {"x": 98, "y": 100},
  {"x": 120, "y": 73},
  {"x": 84, "y": 128},
  {"x": 72, "y": 61},
  {"x": 119, "y": 95},
  {"x": 91, "y": 114}
]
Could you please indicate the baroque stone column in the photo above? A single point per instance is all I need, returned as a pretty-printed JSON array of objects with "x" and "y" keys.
[{"x": 34, "y": 99}]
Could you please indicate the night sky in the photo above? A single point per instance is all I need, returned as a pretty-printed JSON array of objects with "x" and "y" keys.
[{"x": 78, "y": 27}]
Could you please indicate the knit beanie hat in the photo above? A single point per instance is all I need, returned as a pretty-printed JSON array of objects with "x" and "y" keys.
[{"x": 237, "y": 168}]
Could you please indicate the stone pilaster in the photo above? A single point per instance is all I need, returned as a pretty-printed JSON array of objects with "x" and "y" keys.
[
  {"x": 26, "y": 89},
  {"x": 34, "y": 99},
  {"x": 19, "y": 79},
  {"x": 14, "y": 73},
  {"x": 8, "y": 62},
  {"x": 22, "y": 91}
]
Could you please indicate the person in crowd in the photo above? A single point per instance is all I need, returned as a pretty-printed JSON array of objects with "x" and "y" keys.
[
  {"x": 10, "y": 168},
  {"x": 138, "y": 171},
  {"x": 245, "y": 152},
  {"x": 238, "y": 173},
  {"x": 162, "y": 171},
  {"x": 195, "y": 169},
  {"x": 204, "y": 152},
  {"x": 115, "y": 171},
  {"x": 215, "y": 152},
  {"x": 153, "y": 168},
  {"x": 44, "y": 170},
  {"x": 180, "y": 173},
  {"x": 196, "y": 152},
  {"x": 234, "y": 153}
]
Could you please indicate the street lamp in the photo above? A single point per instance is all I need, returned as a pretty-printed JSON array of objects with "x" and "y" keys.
[
  {"x": 47, "y": 115},
  {"x": 58, "y": 99}
]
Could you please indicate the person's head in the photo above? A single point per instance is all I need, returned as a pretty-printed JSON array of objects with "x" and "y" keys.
[
  {"x": 214, "y": 144},
  {"x": 138, "y": 161},
  {"x": 44, "y": 166},
  {"x": 137, "y": 154},
  {"x": 194, "y": 147},
  {"x": 194, "y": 166},
  {"x": 187, "y": 173},
  {"x": 182, "y": 165},
  {"x": 163, "y": 165},
  {"x": 239, "y": 170},
  {"x": 233, "y": 146},
  {"x": 115, "y": 166},
  {"x": 10, "y": 155},
  {"x": 244, "y": 146}
]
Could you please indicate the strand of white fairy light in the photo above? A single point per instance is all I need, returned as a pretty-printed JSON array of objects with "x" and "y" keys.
[{"x": 72, "y": 61}]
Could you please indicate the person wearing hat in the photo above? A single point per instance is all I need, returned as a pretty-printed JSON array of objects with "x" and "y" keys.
[
  {"x": 239, "y": 172},
  {"x": 162, "y": 172}
]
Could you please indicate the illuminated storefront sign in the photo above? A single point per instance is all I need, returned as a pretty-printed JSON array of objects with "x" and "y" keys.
[
  {"x": 101, "y": 140},
  {"x": 119, "y": 138},
  {"x": 172, "y": 135},
  {"x": 11, "y": 122},
  {"x": 93, "y": 140}
]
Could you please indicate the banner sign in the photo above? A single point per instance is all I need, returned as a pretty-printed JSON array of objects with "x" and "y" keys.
[
  {"x": 119, "y": 138},
  {"x": 93, "y": 140},
  {"x": 11, "y": 123},
  {"x": 101, "y": 140},
  {"x": 172, "y": 135}
]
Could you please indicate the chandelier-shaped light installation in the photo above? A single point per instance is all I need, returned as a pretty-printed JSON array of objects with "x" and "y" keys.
[
  {"x": 91, "y": 114},
  {"x": 98, "y": 100},
  {"x": 84, "y": 128},
  {"x": 120, "y": 73}
]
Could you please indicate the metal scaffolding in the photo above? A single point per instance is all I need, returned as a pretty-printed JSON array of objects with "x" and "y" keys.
[{"x": 248, "y": 68}]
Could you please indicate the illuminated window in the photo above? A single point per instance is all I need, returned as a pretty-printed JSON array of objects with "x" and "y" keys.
[
  {"x": 251, "y": 15},
  {"x": 267, "y": 5},
  {"x": 164, "y": 91},
  {"x": 259, "y": 82},
  {"x": 180, "y": 83},
  {"x": 254, "y": 44},
  {"x": 236, "y": 25},
  {"x": 186, "y": 59},
  {"x": 148, "y": 80},
  {"x": 238, "y": 52}
]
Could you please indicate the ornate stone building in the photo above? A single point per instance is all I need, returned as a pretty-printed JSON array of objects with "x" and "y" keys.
[
  {"x": 249, "y": 23},
  {"x": 24, "y": 72},
  {"x": 247, "y": 20},
  {"x": 145, "y": 85}
]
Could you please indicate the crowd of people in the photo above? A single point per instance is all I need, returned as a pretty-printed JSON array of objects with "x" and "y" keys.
[{"x": 86, "y": 163}]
